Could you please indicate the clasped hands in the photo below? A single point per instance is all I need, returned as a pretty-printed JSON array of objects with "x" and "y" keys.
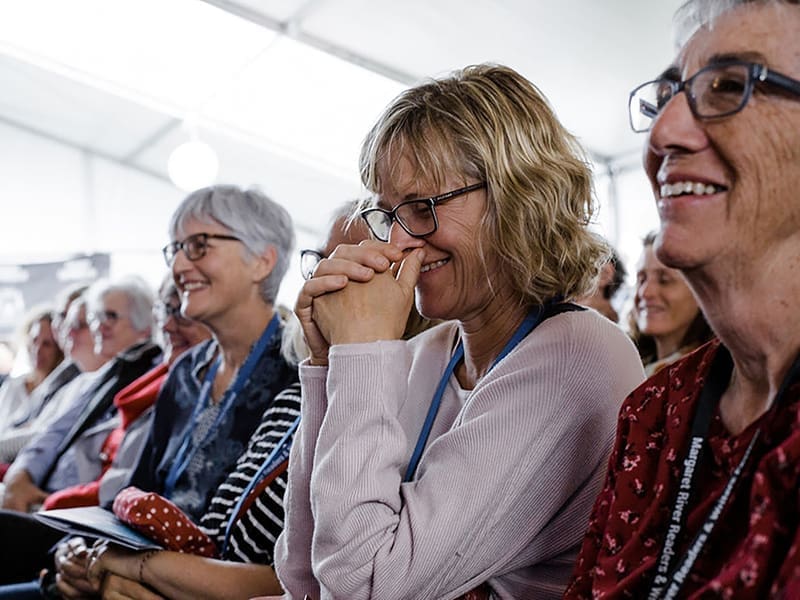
[{"x": 360, "y": 293}]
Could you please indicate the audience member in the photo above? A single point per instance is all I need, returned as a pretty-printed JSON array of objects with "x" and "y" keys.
[
  {"x": 134, "y": 405},
  {"x": 700, "y": 499},
  {"x": 221, "y": 411},
  {"x": 229, "y": 253},
  {"x": 612, "y": 277},
  {"x": 120, "y": 315},
  {"x": 482, "y": 201},
  {"x": 665, "y": 321},
  {"x": 17, "y": 402},
  {"x": 55, "y": 386}
]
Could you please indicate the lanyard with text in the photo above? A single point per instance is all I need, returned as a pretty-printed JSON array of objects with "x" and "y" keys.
[
  {"x": 669, "y": 577},
  {"x": 276, "y": 458},
  {"x": 533, "y": 319},
  {"x": 185, "y": 453}
]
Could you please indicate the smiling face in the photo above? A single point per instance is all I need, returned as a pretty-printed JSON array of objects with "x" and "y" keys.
[
  {"x": 112, "y": 328},
  {"x": 726, "y": 188},
  {"x": 179, "y": 333},
  {"x": 664, "y": 305},
  {"x": 455, "y": 281},
  {"x": 217, "y": 283}
]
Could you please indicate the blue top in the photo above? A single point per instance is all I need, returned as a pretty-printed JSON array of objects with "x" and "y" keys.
[{"x": 214, "y": 455}]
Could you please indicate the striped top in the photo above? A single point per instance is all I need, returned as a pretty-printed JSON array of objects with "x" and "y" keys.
[{"x": 253, "y": 535}]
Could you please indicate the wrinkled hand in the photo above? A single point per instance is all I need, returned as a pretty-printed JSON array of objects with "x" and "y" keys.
[
  {"x": 347, "y": 263},
  {"x": 109, "y": 559},
  {"x": 72, "y": 562},
  {"x": 120, "y": 588},
  {"x": 21, "y": 494},
  {"x": 373, "y": 310}
]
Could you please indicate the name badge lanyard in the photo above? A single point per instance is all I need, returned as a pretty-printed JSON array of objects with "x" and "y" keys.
[
  {"x": 669, "y": 577},
  {"x": 529, "y": 324},
  {"x": 185, "y": 453},
  {"x": 279, "y": 454}
]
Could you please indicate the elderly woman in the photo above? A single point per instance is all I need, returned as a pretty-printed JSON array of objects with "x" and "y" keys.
[
  {"x": 701, "y": 494},
  {"x": 665, "y": 321},
  {"x": 229, "y": 252},
  {"x": 469, "y": 454},
  {"x": 134, "y": 403}
]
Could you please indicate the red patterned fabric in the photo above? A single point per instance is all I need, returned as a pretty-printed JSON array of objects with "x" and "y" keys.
[
  {"x": 160, "y": 520},
  {"x": 752, "y": 553}
]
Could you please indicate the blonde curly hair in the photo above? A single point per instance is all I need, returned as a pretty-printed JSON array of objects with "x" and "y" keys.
[{"x": 488, "y": 123}]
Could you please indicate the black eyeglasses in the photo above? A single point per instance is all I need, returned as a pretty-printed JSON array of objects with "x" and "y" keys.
[
  {"x": 416, "y": 217},
  {"x": 195, "y": 246},
  {"x": 309, "y": 259},
  {"x": 714, "y": 91},
  {"x": 163, "y": 312}
]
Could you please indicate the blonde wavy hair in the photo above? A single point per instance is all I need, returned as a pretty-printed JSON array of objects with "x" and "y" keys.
[{"x": 488, "y": 123}]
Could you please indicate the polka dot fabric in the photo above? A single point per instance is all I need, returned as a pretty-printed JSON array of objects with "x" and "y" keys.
[{"x": 160, "y": 520}]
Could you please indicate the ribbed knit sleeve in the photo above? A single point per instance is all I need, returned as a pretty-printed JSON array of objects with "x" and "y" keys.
[
  {"x": 293, "y": 548},
  {"x": 505, "y": 485}
]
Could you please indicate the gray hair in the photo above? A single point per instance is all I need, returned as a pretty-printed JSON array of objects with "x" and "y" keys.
[
  {"x": 251, "y": 216},
  {"x": 694, "y": 14},
  {"x": 138, "y": 293}
]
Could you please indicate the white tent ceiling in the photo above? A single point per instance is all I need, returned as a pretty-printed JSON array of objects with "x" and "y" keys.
[{"x": 283, "y": 90}]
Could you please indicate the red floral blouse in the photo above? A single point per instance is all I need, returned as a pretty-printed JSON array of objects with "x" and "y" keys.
[{"x": 752, "y": 552}]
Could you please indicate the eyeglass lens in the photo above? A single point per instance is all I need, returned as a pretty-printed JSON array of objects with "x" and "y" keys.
[
  {"x": 165, "y": 311},
  {"x": 194, "y": 246},
  {"x": 309, "y": 259},
  {"x": 415, "y": 216},
  {"x": 715, "y": 91}
]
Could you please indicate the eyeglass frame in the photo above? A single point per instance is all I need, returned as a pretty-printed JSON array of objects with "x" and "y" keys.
[
  {"x": 308, "y": 274},
  {"x": 163, "y": 311},
  {"x": 170, "y": 251},
  {"x": 756, "y": 73},
  {"x": 432, "y": 202}
]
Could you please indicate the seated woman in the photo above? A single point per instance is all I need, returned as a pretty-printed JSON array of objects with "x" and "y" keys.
[
  {"x": 665, "y": 321},
  {"x": 701, "y": 494},
  {"x": 134, "y": 405},
  {"x": 78, "y": 346},
  {"x": 471, "y": 453},
  {"x": 229, "y": 253},
  {"x": 44, "y": 355}
]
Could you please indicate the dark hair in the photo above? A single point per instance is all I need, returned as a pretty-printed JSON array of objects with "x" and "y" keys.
[{"x": 620, "y": 273}]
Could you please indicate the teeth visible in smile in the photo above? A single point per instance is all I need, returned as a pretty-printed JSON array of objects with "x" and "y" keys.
[
  {"x": 687, "y": 187},
  {"x": 433, "y": 265},
  {"x": 189, "y": 286}
]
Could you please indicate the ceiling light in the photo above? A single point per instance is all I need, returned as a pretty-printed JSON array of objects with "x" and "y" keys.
[{"x": 193, "y": 165}]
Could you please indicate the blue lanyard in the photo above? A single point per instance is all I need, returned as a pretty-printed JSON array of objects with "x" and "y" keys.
[
  {"x": 529, "y": 324},
  {"x": 185, "y": 453},
  {"x": 278, "y": 455}
]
